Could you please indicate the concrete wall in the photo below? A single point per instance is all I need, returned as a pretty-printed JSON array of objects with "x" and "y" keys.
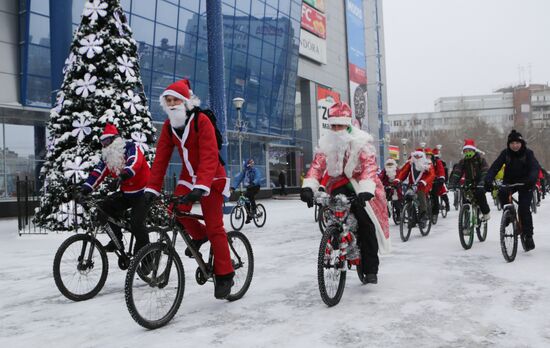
[{"x": 9, "y": 52}]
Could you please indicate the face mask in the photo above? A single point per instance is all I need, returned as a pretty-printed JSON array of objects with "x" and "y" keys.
[
  {"x": 177, "y": 115},
  {"x": 469, "y": 154}
]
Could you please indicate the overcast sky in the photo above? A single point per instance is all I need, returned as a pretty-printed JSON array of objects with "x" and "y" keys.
[{"x": 438, "y": 48}]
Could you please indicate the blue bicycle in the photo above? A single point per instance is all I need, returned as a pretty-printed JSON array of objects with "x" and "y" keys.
[{"x": 242, "y": 210}]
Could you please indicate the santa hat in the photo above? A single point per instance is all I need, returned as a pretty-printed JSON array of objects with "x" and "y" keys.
[
  {"x": 419, "y": 152},
  {"x": 182, "y": 90},
  {"x": 469, "y": 144},
  {"x": 109, "y": 131},
  {"x": 435, "y": 152},
  {"x": 340, "y": 114},
  {"x": 428, "y": 151},
  {"x": 390, "y": 162}
]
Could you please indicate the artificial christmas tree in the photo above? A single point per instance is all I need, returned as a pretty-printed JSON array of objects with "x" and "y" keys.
[{"x": 102, "y": 84}]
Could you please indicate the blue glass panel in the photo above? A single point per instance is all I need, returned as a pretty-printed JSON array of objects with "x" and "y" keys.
[
  {"x": 255, "y": 46},
  {"x": 39, "y": 30},
  {"x": 188, "y": 21},
  {"x": 187, "y": 44},
  {"x": 243, "y": 5},
  {"x": 185, "y": 66},
  {"x": 165, "y": 37},
  {"x": 124, "y": 3},
  {"x": 159, "y": 83},
  {"x": 296, "y": 10},
  {"x": 274, "y": 3},
  {"x": 242, "y": 22},
  {"x": 39, "y": 61},
  {"x": 143, "y": 30},
  {"x": 228, "y": 10},
  {"x": 41, "y": 6},
  {"x": 284, "y": 6},
  {"x": 202, "y": 49},
  {"x": 192, "y": 5},
  {"x": 201, "y": 71},
  {"x": 201, "y": 90},
  {"x": 202, "y": 7},
  {"x": 257, "y": 9},
  {"x": 145, "y": 53},
  {"x": 167, "y": 13},
  {"x": 145, "y": 8},
  {"x": 228, "y": 27},
  {"x": 38, "y": 91},
  {"x": 270, "y": 12},
  {"x": 146, "y": 79},
  {"x": 229, "y": 2},
  {"x": 268, "y": 52},
  {"x": 164, "y": 60}
]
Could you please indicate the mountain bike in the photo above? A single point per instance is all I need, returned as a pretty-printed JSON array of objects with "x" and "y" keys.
[
  {"x": 242, "y": 210},
  {"x": 469, "y": 218},
  {"x": 510, "y": 227},
  {"x": 339, "y": 250},
  {"x": 534, "y": 201},
  {"x": 80, "y": 265},
  {"x": 443, "y": 207},
  {"x": 457, "y": 199},
  {"x": 393, "y": 204},
  {"x": 410, "y": 214},
  {"x": 154, "y": 300}
]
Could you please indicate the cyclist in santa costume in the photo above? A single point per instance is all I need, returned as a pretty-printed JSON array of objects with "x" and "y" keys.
[{"x": 202, "y": 177}]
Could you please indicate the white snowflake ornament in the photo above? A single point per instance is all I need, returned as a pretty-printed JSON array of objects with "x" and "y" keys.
[
  {"x": 90, "y": 45},
  {"x": 86, "y": 85},
  {"x": 141, "y": 141},
  {"x": 118, "y": 23},
  {"x": 94, "y": 9},
  {"x": 59, "y": 103},
  {"x": 71, "y": 59},
  {"x": 134, "y": 102},
  {"x": 81, "y": 128},
  {"x": 75, "y": 169},
  {"x": 125, "y": 66}
]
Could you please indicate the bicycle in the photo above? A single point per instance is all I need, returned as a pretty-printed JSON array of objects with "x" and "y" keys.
[
  {"x": 393, "y": 206},
  {"x": 469, "y": 218},
  {"x": 510, "y": 227},
  {"x": 443, "y": 208},
  {"x": 457, "y": 199},
  {"x": 534, "y": 201},
  {"x": 241, "y": 211},
  {"x": 410, "y": 214},
  {"x": 336, "y": 256},
  {"x": 166, "y": 284},
  {"x": 81, "y": 256}
]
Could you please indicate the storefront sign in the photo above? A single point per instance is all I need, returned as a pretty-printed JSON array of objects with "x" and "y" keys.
[
  {"x": 325, "y": 99},
  {"x": 313, "y": 47},
  {"x": 318, "y": 4},
  {"x": 313, "y": 21}
]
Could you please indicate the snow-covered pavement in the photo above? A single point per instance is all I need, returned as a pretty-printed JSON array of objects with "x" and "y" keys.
[{"x": 430, "y": 293}]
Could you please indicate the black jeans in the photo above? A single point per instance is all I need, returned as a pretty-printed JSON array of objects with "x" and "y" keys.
[
  {"x": 366, "y": 235},
  {"x": 116, "y": 204},
  {"x": 251, "y": 192},
  {"x": 481, "y": 199},
  {"x": 524, "y": 206}
]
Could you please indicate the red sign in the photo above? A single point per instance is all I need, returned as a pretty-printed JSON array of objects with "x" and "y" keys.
[
  {"x": 356, "y": 74},
  {"x": 314, "y": 21}
]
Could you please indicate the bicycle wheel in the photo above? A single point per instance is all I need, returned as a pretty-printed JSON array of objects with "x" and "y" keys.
[
  {"x": 237, "y": 217},
  {"x": 481, "y": 229},
  {"x": 80, "y": 267},
  {"x": 443, "y": 208},
  {"x": 534, "y": 203},
  {"x": 424, "y": 231},
  {"x": 395, "y": 213},
  {"x": 456, "y": 199},
  {"x": 508, "y": 235},
  {"x": 465, "y": 231},
  {"x": 435, "y": 217},
  {"x": 153, "y": 302},
  {"x": 407, "y": 221},
  {"x": 316, "y": 212},
  {"x": 260, "y": 216},
  {"x": 331, "y": 273},
  {"x": 242, "y": 259},
  {"x": 497, "y": 204},
  {"x": 323, "y": 218}
]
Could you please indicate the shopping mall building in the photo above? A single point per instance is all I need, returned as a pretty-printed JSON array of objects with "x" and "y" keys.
[{"x": 288, "y": 59}]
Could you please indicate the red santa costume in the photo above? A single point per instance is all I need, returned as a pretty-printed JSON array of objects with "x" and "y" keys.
[
  {"x": 201, "y": 169},
  {"x": 417, "y": 170},
  {"x": 348, "y": 157},
  {"x": 439, "y": 170},
  {"x": 388, "y": 175}
]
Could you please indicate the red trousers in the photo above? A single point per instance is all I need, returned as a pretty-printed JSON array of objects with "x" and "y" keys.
[{"x": 213, "y": 229}]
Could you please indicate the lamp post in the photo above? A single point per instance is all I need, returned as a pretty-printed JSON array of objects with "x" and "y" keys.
[
  {"x": 404, "y": 143},
  {"x": 238, "y": 104}
]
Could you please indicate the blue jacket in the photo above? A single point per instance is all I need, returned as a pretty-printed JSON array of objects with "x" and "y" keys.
[{"x": 249, "y": 176}]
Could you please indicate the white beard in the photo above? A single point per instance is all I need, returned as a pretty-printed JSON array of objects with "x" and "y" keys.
[
  {"x": 335, "y": 145},
  {"x": 391, "y": 172},
  {"x": 113, "y": 155},
  {"x": 421, "y": 164},
  {"x": 177, "y": 115}
]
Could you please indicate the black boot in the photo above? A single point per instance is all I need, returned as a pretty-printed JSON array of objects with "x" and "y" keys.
[
  {"x": 222, "y": 285},
  {"x": 371, "y": 278},
  {"x": 197, "y": 243},
  {"x": 529, "y": 243}
]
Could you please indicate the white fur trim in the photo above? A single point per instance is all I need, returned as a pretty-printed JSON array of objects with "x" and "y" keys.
[
  {"x": 186, "y": 184},
  {"x": 339, "y": 120},
  {"x": 153, "y": 191},
  {"x": 469, "y": 147},
  {"x": 423, "y": 182},
  {"x": 204, "y": 188},
  {"x": 173, "y": 94},
  {"x": 312, "y": 183},
  {"x": 366, "y": 185},
  {"x": 362, "y": 141}
]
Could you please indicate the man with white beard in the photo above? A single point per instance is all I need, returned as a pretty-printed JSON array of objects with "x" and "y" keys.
[
  {"x": 418, "y": 170},
  {"x": 387, "y": 176},
  {"x": 345, "y": 160},
  {"x": 123, "y": 160}
]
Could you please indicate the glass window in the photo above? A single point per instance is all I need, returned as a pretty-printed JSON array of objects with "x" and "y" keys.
[
  {"x": 145, "y": 8},
  {"x": 201, "y": 71},
  {"x": 268, "y": 52},
  {"x": 39, "y": 30},
  {"x": 167, "y": 13},
  {"x": 165, "y": 37},
  {"x": 193, "y": 5},
  {"x": 257, "y": 9},
  {"x": 160, "y": 82},
  {"x": 143, "y": 30},
  {"x": 41, "y": 6},
  {"x": 39, "y": 61},
  {"x": 270, "y": 12},
  {"x": 164, "y": 61},
  {"x": 296, "y": 10},
  {"x": 284, "y": 6},
  {"x": 274, "y": 3},
  {"x": 202, "y": 49},
  {"x": 243, "y": 5},
  {"x": 145, "y": 53},
  {"x": 125, "y": 4},
  {"x": 229, "y": 2},
  {"x": 187, "y": 44},
  {"x": 242, "y": 23},
  {"x": 185, "y": 67},
  {"x": 146, "y": 79},
  {"x": 38, "y": 91},
  {"x": 228, "y": 10},
  {"x": 201, "y": 90},
  {"x": 78, "y": 6},
  {"x": 188, "y": 21},
  {"x": 203, "y": 32}
]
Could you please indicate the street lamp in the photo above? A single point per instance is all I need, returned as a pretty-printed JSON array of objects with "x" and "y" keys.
[
  {"x": 238, "y": 104},
  {"x": 422, "y": 145},
  {"x": 404, "y": 142}
]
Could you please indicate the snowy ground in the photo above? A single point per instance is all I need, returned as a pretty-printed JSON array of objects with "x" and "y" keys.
[{"x": 431, "y": 292}]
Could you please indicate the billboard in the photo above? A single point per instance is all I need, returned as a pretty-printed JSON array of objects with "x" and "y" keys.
[
  {"x": 313, "y": 47},
  {"x": 325, "y": 99},
  {"x": 357, "y": 60},
  {"x": 313, "y": 21},
  {"x": 318, "y": 4}
]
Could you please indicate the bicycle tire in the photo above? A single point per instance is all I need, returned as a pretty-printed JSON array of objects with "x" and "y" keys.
[
  {"x": 508, "y": 236},
  {"x": 481, "y": 229},
  {"x": 173, "y": 261},
  {"x": 464, "y": 221},
  {"x": 405, "y": 225},
  {"x": 236, "y": 218},
  {"x": 427, "y": 228},
  {"x": 57, "y": 272},
  {"x": 238, "y": 291},
  {"x": 534, "y": 203},
  {"x": 395, "y": 213},
  {"x": 258, "y": 220},
  {"x": 443, "y": 208},
  {"x": 316, "y": 212},
  {"x": 329, "y": 299},
  {"x": 322, "y": 222}
]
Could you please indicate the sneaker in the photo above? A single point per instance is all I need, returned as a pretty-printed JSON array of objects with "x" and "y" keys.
[
  {"x": 371, "y": 278},
  {"x": 422, "y": 221},
  {"x": 110, "y": 247},
  {"x": 248, "y": 219},
  {"x": 197, "y": 243},
  {"x": 485, "y": 217},
  {"x": 222, "y": 285},
  {"x": 529, "y": 243}
]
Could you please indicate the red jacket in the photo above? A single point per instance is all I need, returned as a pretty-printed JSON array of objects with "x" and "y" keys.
[
  {"x": 440, "y": 174},
  {"x": 201, "y": 167},
  {"x": 425, "y": 177}
]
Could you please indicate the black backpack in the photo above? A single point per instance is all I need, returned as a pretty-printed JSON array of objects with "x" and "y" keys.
[{"x": 219, "y": 138}]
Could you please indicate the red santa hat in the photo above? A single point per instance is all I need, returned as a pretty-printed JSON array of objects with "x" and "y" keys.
[
  {"x": 340, "y": 114},
  {"x": 419, "y": 152},
  {"x": 428, "y": 151},
  {"x": 180, "y": 89},
  {"x": 469, "y": 144},
  {"x": 435, "y": 152},
  {"x": 109, "y": 131}
]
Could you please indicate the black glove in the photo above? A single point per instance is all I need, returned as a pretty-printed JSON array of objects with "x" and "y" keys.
[
  {"x": 363, "y": 198},
  {"x": 488, "y": 186},
  {"x": 149, "y": 198},
  {"x": 193, "y": 196},
  {"x": 306, "y": 195},
  {"x": 79, "y": 195},
  {"x": 440, "y": 180},
  {"x": 124, "y": 175}
]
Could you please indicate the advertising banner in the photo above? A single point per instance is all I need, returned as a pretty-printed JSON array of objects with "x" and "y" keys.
[
  {"x": 325, "y": 99},
  {"x": 318, "y": 4},
  {"x": 313, "y": 47},
  {"x": 357, "y": 60},
  {"x": 314, "y": 21}
]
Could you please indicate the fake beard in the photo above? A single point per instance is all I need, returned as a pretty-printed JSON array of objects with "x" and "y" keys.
[
  {"x": 420, "y": 164},
  {"x": 391, "y": 171},
  {"x": 335, "y": 145},
  {"x": 177, "y": 115},
  {"x": 113, "y": 155}
]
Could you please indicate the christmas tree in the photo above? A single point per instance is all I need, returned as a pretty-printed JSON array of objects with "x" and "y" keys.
[{"x": 102, "y": 84}]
